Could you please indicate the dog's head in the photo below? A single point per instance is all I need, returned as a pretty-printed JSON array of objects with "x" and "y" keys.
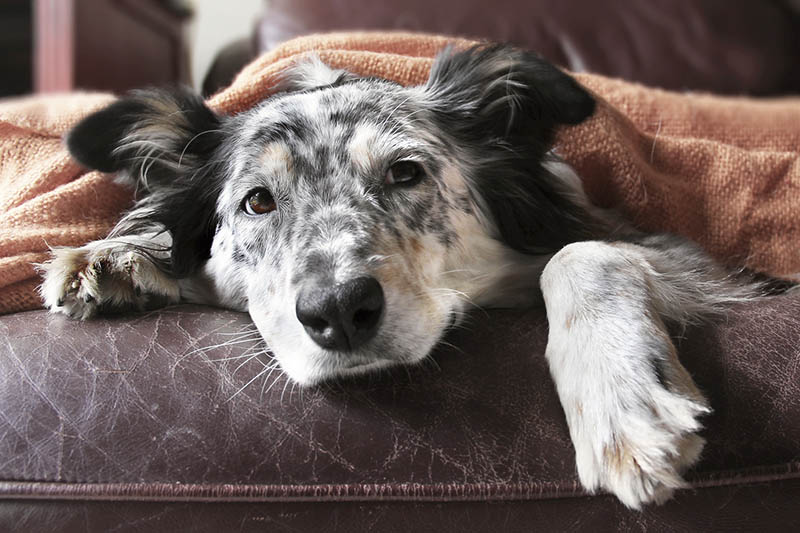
[{"x": 354, "y": 218}]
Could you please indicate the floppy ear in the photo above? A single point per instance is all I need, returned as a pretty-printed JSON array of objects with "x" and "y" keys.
[
  {"x": 164, "y": 141},
  {"x": 507, "y": 90},
  {"x": 502, "y": 105}
]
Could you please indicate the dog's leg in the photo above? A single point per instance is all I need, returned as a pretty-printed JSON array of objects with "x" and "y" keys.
[
  {"x": 632, "y": 409},
  {"x": 110, "y": 274}
]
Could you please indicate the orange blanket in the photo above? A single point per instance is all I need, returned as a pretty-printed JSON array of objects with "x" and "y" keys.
[{"x": 723, "y": 171}]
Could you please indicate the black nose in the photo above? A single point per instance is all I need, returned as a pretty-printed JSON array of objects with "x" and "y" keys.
[{"x": 342, "y": 316}]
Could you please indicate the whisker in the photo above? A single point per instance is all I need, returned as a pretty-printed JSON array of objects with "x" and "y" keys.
[
  {"x": 453, "y": 346},
  {"x": 380, "y": 258},
  {"x": 430, "y": 361},
  {"x": 274, "y": 381},
  {"x": 266, "y": 378},
  {"x": 246, "y": 354},
  {"x": 284, "y": 390},
  {"x": 231, "y": 342},
  {"x": 264, "y": 371},
  {"x": 246, "y": 361},
  {"x": 248, "y": 331},
  {"x": 180, "y": 159},
  {"x": 393, "y": 111}
]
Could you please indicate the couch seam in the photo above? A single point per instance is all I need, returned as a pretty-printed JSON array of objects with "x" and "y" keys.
[{"x": 252, "y": 492}]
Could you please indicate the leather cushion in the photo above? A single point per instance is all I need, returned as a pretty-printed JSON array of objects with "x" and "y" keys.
[{"x": 163, "y": 398}]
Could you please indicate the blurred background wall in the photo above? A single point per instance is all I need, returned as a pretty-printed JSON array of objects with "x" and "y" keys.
[
  {"x": 217, "y": 23},
  {"x": 116, "y": 45}
]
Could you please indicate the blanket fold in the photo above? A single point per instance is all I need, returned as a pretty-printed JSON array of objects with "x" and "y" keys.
[{"x": 722, "y": 171}]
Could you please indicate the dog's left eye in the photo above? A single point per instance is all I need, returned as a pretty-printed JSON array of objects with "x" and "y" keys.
[
  {"x": 405, "y": 173},
  {"x": 258, "y": 202}
]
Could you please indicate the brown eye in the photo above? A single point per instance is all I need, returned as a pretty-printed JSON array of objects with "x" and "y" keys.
[
  {"x": 405, "y": 173},
  {"x": 259, "y": 202}
]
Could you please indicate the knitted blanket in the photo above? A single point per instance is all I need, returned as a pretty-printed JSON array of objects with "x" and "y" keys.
[{"x": 722, "y": 171}]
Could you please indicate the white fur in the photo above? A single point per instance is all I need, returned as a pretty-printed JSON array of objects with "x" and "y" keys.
[
  {"x": 113, "y": 272},
  {"x": 308, "y": 73},
  {"x": 633, "y": 435}
]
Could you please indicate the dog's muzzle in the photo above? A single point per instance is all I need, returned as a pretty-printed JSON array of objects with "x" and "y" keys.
[{"x": 343, "y": 316}]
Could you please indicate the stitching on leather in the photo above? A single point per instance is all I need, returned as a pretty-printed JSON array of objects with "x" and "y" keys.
[{"x": 355, "y": 492}]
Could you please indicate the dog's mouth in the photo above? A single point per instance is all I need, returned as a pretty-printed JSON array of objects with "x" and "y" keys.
[
  {"x": 313, "y": 365},
  {"x": 336, "y": 366},
  {"x": 372, "y": 359},
  {"x": 365, "y": 365},
  {"x": 362, "y": 362}
]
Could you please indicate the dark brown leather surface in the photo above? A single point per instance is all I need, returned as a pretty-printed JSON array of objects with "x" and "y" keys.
[
  {"x": 126, "y": 409},
  {"x": 723, "y": 46}
]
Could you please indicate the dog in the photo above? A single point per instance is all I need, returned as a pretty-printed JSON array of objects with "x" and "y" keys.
[{"x": 356, "y": 220}]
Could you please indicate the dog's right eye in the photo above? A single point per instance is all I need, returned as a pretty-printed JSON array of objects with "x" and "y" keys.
[
  {"x": 404, "y": 173},
  {"x": 258, "y": 202}
]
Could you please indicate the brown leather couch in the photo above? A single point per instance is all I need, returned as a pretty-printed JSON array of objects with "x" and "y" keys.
[{"x": 152, "y": 423}]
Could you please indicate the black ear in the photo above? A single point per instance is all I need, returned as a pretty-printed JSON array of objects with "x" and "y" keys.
[
  {"x": 164, "y": 141},
  {"x": 153, "y": 122},
  {"x": 502, "y": 106},
  {"x": 93, "y": 141},
  {"x": 507, "y": 90}
]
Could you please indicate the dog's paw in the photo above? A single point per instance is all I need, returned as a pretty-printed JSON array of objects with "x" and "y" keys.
[
  {"x": 640, "y": 447},
  {"x": 79, "y": 282}
]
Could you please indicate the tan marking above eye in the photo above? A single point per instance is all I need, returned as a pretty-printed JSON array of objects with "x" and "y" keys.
[
  {"x": 276, "y": 158},
  {"x": 362, "y": 147}
]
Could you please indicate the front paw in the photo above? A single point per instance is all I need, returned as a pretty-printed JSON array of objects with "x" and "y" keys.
[
  {"x": 638, "y": 447},
  {"x": 68, "y": 283},
  {"x": 80, "y": 282}
]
